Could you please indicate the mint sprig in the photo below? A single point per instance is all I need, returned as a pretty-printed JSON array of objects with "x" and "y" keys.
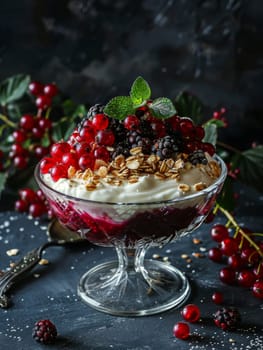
[
  {"x": 140, "y": 92},
  {"x": 121, "y": 106}
]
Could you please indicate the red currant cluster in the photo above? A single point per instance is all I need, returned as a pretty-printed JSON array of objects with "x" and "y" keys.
[
  {"x": 219, "y": 115},
  {"x": 243, "y": 255},
  {"x": 32, "y": 202},
  {"x": 43, "y": 94}
]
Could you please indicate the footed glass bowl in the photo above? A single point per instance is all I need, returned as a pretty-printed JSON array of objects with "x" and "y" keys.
[{"x": 132, "y": 285}]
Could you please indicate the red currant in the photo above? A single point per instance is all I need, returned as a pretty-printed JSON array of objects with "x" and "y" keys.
[
  {"x": 35, "y": 88},
  {"x": 70, "y": 159},
  {"x": 219, "y": 233},
  {"x": 227, "y": 275},
  {"x": 218, "y": 298},
  {"x": 100, "y": 121},
  {"x": 36, "y": 209},
  {"x": 250, "y": 256},
  {"x": 191, "y": 313},
  {"x": 51, "y": 90},
  {"x": 105, "y": 138},
  {"x": 46, "y": 164},
  {"x": 258, "y": 271},
  {"x": 181, "y": 330},
  {"x": 215, "y": 254},
  {"x": 21, "y": 205},
  {"x": 199, "y": 132},
  {"x": 27, "y": 122},
  {"x": 235, "y": 261},
  {"x": 229, "y": 246},
  {"x": 258, "y": 289},
  {"x": 131, "y": 122},
  {"x": 59, "y": 149},
  {"x": 102, "y": 153},
  {"x": 20, "y": 162},
  {"x": 58, "y": 171},
  {"x": 17, "y": 149},
  {"x": 28, "y": 195},
  {"x": 82, "y": 148},
  {"x": 187, "y": 128},
  {"x": 246, "y": 278},
  {"x": 86, "y": 161},
  {"x": 43, "y": 102},
  {"x": 19, "y": 136},
  {"x": 87, "y": 134},
  {"x": 209, "y": 148},
  {"x": 44, "y": 123}
]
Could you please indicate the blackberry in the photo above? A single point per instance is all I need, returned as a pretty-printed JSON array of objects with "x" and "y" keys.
[
  {"x": 44, "y": 331},
  {"x": 119, "y": 130},
  {"x": 165, "y": 147},
  {"x": 96, "y": 109},
  {"x": 146, "y": 129},
  {"x": 135, "y": 139},
  {"x": 121, "y": 148},
  {"x": 197, "y": 157},
  {"x": 227, "y": 318}
]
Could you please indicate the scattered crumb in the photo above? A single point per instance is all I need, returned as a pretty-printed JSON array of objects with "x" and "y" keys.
[
  {"x": 156, "y": 256},
  {"x": 43, "y": 262},
  {"x": 12, "y": 264},
  {"x": 184, "y": 256},
  {"x": 196, "y": 241},
  {"x": 12, "y": 252},
  {"x": 198, "y": 255},
  {"x": 189, "y": 260},
  {"x": 165, "y": 258},
  {"x": 36, "y": 275}
]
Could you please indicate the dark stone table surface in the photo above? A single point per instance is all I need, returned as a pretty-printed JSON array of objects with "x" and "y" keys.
[{"x": 50, "y": 292}]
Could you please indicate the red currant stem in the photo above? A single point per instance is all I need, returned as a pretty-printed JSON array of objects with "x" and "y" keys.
[
  {"x": 235, "y": 224},
  {"x": 48, "y": 113},
  {"x": 7, "y": 121},
  {"x": 228, "y": 147},
  {"x": 39, "y": 112},
  {"x": 228, "y": 224},
  {"x": 215, "y": 210}
]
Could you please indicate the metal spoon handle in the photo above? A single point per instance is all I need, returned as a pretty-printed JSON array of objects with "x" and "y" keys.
[{"x": 21, "y": 268}]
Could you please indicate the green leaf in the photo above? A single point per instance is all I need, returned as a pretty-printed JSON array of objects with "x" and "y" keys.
[
  {"x": 250, "y": 163},
  {"x": 119, "y": 107},
  {"x": 188, "y": 105},
  {"x": 210, "y": 133},
  {"x": 162, "y": 108},
  {"x": 3, "y": 178},
  {"x": 13, "y": 88},
  {"x": 140, "y": 91}
]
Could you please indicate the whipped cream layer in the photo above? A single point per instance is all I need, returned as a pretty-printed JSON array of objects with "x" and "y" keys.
[{"x": 148, "y": 188}]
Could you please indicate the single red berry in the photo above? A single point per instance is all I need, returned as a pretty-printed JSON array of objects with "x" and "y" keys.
[
  {"x": 82, "y": 148},
  {"x": 44, "y": 123},
  {"x": 36, "y": 209},
  {"x": 100, "y": 121},
  {"x": 70, "y": 159},
  {"x": 19, "y": 136},
  {"x": 250, "y": 256},
  {"x": 43, "y": 102},
  {"x": 51, "y": 90},
  {"x": 258, "y": 289},
  {"x": 191, "y": 313},
  {"x": 209, "y": 148},
  {"x": 46, "y": 164},
  {"x": 235, "y": 261},
  {"x": 181, "y": 330},
  {"x": 36, "y": 88},
  {"x": 229, "y": 246},
  {"x": 174, "y": 122},
  {"x": 40, "y": 151},
  {"x": 105, "y": 138},
  {"x": 227, "y": 275},
  {"x": 28, "y": 195},
  {"x": 17, "y": 150},
  {"x": 102, "y": 153},
  {"x": 219, "y": 233},
  {"x": 59, "y": 149},
  {"x": 199, "y": 132},
  {"x": 20, "y": 162},
  {"x": 218, "y": 298},
  {"x": 37, "y": 133},
  {"x": 58, "y": 171},
  {"x": 227, "y": 318},
  {"x": 246, "y": 278},
  {"x": 87, "y": 134},
  {"x": 131, "y": 122},
  {"x": 27, "y": 122},
  {"x": 187, "y": 128},
  {"x": 216, "y": 115},
  {"x": 21, "y": 206},
  {"x": 215, "y": 254},
  {"x": 210, "y": 217},
  {"x": 86, "y": 161}
]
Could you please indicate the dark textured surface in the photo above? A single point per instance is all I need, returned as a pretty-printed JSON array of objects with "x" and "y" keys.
[
  {"x": 95, "y": 49},
  {"x": 53, "y": 295}
]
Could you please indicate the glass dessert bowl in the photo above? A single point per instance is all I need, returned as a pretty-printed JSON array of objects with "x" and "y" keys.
[{"x": 132, "y": 285}]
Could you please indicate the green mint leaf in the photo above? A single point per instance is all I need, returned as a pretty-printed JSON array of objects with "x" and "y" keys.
[
  {"x": 250, "y": 163},
  {"x": 210, "y": 133},
  {"x": 140, "y": 91},
  {"x": 119, "y": 107},
  {"x": 188, "y": 105},
  {"x": 162, "y": 108},
  {"x": 13, "y": 88}
]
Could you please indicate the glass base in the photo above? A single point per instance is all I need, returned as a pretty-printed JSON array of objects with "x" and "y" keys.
[{"x": 150, "y": 289}]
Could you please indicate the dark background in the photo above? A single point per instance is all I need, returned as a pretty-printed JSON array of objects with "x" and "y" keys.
[{"x": 94, "y": 49}]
